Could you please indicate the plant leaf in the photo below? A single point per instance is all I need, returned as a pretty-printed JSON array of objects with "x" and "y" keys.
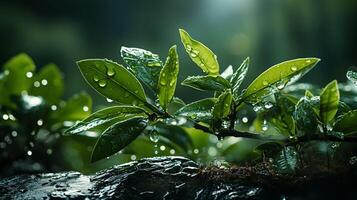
[
  {"x": 222, "y": 107},
  {"x": 198, "y": 111},
  {"x": 104, "y": 118},
  {"x": 347, "y": 123},
  {"x": 238, "y": 76},
  {"x": 145, "y": 65},
  {"x": 277, "y": 77},
  {"x": 305, "y": 117},
  {"x": 329, "y": 100},
  {"x": 118, "y": 136},
  {"x": 48, "y": 83},
  {"x": 168, "y": 78},
  {"x": 227, "y": 73},
  {"x": 113, "y": 81},
  {"x": 352, "y": 76},
  {"x": 200, "y": 54},
  {"x": 207, "y": 83}
]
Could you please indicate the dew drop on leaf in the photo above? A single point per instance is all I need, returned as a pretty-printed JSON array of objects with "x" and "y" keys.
[
  {"x": 110, "y": 72},
  {"x": 154, "y": 136},
  {"x": 29, "y": 74},
  {"x": 29, "y": 153},
  {"x": 102, "y": 83},
  {"x": 109, "y": 100},
  {"x": 96, "y": 78},
  {"x": 293, "y": 68}
]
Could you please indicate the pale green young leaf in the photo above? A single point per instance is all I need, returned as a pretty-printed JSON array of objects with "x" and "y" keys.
[
  {"x": 277, "y": 77},
  {"x": 113, "y": 81},
  {"x": 222, "y": 107},
  {"x": 329, "y": 100},
  {"x": 168, "y": 78},
  {"x": 146, "y": 66},
  {"x": 207, "y": 83},
  {"x": 200, "y": 54}
]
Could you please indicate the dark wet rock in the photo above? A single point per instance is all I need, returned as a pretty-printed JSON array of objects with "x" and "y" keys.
[{"x": 176, "y": 178}]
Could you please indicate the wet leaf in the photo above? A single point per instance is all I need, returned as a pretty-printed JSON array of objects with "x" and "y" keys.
[
  {"x": 277, "y": 77},
  {"x": 329, "y": 100},
  {"x": 305, "y": 117},
  {"x": 239, "y": 76},
  {"x": 168, "y": 78},
  {"x": 48, "y": 83},
  {"x": 198, "y": 111},
  {"x": 222, "y": 107},
  {"x": 207, "y": 83},
  {"x": 146, "y": 66},
  {"x": 200, "y": 54},
  {"x": 113, "y": 81},
  {"x": 287, "y": 160},
  {"x": 352, "y": 76},
  {"x": 347, "y": 123},
  {"x": 76, "y": 108},
  {"x": 101, "y": 119},
  {"x": 118, "y": 136}
]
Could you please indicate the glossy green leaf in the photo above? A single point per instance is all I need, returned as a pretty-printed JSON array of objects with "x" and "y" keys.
[
  {"x": 175, "y": 104},
  {"x": 347, "y": 123},
  {"x": 329, "y": 100},
  {"x": 118, "y": 136},
  {"x": 168, "y": 78},
  {"x": 305, "y": 117},
  {"x": 104, "y": 118},
  {"x": 198, "y": 111},
  {"x": 175, "y": 134},
  {"x": 238, "y": 77},
  {"x": 76, "y": 108},
  {"x": 48, "y": 83},
  {"x": 113, "y": 81},
  {"x": 277, "y": 77},
  {"x": 227, "y": 73},
  {"x": 352, "y": 76},
  {"x": 200, "y": 54},
  {"x": 222, "y": 107},
  {"x": 207, "y": 83},
  {"x": 145, "y": 65}
]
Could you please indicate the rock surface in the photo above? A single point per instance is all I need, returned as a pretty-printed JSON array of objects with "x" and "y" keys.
[{"x": 174, "y": 178}]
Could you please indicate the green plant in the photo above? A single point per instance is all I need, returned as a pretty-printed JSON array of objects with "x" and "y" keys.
[
  {"x": 286, "y": 116},
  {"x": 33, "y": 115}
]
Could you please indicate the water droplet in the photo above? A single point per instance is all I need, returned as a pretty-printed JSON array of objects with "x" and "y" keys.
[
  {"x": 40, "y": 122},
  {"x": 281, "y": 85},
  {"x": 193, "y": 55},
  {"x": 14, "y": 133},
  {"x": 154, "y": 136},
  {"x": 293, "y": 68},
  {"x": 265, "y": 83},
  {"x": 36, "y": 84},
  {"x": 245, "y": 120},
  {"x": 172, "y": 151},
  {"x": 265, "y": 126},
  {"x": 29, "y": 153},
  {"x": 133, "y": 157},
  {"x": 49, "y": 151},
  {"x": 109, "y": 100},
  {"x": 172, "y": 83},
  {"x": 102, "y": 83},
  {"x": 196, "y": 151},
  {"x": 156, "y": 152},
  {"x": 308, "y": 61},
  {"x": 5, "y": 116},
  {"x": 195, "y": 52},
  {"x": 85, "y": 108},
  {"x": 96, "y": 78},
  {"x": 53, "y": 107},
  {"x": 134, "y": 103},
  {"x": 6, "y": 72},
  {"x": 268, "y": 105},
  {"x": 188, "y": 47},
  {"x": 163, "y": 74},
  {"x": 225, "y": 123},
  {"x": 162, "y": 148},
  {"x": 110, "y": 72},
  {"x": 44, "y": 82},
  {"x": 212, "y": 151},
  {"x": 29, "y": 74},
  {"x": 162, "y": 82}
]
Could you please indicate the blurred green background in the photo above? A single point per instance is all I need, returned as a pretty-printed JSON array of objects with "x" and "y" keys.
[{"x": 268, "y": 31}]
